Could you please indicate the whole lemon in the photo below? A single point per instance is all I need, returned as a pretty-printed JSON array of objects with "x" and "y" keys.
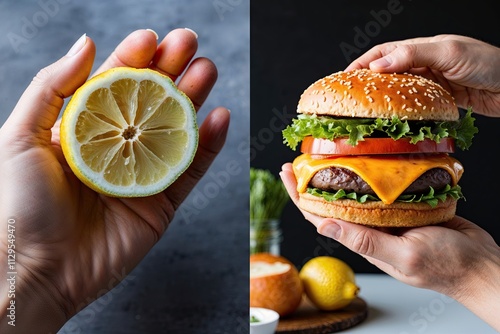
[{"x": 328, "y": 282}]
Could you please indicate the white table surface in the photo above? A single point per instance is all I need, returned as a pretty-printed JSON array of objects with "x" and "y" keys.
[{"x": 397, "y": 308}]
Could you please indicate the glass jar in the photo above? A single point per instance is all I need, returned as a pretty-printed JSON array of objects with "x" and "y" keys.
[{"x": 265, "y": 236}]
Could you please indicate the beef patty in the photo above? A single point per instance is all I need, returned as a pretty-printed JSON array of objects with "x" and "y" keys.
[{"x": 335, "y": 178}]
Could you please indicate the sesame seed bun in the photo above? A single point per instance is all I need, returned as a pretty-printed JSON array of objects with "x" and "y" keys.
[
  {"x": 367, "y": 94},
  {"x": 397, "y": 214}
]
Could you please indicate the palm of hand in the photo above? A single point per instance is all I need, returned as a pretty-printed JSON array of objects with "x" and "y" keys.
[{"x": 85, "y": 239}]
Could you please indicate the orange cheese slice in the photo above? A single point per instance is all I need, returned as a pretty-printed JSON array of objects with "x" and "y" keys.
[{"x": 387, "y": 175}]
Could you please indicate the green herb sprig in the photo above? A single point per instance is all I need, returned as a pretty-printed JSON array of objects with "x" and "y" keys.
[
  {"x": 268, "y": 195},
  {"x": 254, "y": 319}
]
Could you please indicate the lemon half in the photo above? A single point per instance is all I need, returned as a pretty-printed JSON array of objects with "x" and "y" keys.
[{"x": 129, "y": 132}]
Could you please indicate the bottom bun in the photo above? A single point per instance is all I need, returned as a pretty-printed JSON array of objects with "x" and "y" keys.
[{"x": 379, "y": 214}]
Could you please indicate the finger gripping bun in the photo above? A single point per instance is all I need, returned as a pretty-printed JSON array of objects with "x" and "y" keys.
[{"x": 363, "y": 93}]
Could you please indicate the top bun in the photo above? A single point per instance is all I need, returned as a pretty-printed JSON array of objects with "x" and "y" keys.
[{"x": 367, "y": 94}]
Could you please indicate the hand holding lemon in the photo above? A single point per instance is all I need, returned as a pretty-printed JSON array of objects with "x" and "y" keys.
[{"x": 74, "y": 237}]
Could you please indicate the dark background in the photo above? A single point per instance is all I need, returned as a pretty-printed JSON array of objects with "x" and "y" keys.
[{"x": 294, "y": 43}]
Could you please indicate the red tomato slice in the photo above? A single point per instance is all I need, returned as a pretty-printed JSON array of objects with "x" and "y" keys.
[{"x": 317, "y": 146}]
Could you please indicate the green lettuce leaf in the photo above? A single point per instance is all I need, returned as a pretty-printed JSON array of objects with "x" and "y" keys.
[
  {"x": 432, "y": 197},
  {"x": 356, "y": 129}
]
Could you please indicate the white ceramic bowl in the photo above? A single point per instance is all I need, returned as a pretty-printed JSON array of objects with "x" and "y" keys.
[{"x": 268, "y": 320}]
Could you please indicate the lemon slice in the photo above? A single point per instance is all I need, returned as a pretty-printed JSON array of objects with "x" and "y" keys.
[{"x": 129, "y": 132}]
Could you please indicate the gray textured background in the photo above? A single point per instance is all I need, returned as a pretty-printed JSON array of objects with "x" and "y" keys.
[{"x": 195, "y": 280}]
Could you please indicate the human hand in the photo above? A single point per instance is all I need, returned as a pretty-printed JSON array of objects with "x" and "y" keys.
[
  {"x": 456, "y": 258},
  {"x": 71, "y": 242},
  {"x": 468, "y": 68}
]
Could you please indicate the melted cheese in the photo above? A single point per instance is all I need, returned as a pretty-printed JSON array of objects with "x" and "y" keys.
[{"x": 388, "y": 176}]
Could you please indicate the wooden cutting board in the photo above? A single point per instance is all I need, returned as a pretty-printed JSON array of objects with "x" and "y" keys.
[{"x": 309, "y": 320}]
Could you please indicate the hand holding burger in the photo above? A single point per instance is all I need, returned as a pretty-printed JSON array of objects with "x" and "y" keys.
[{"x": 456, "y": 258}]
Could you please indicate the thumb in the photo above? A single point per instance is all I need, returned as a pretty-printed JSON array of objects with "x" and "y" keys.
[
  {"x": 366, "y": 241},
  {"x": 39, "y": 106}
]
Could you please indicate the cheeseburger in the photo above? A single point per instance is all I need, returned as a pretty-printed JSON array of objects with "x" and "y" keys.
[{"x": 376, "y": 149}]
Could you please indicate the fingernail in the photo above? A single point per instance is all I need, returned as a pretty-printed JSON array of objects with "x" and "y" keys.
[
  {"x": 381, "y": 62},
  {"x": 194, "y": 32},
  {"x": 331, "y": 230},
  {"x": 77, "y": 46},
  {"x": 228, "y": 110},
  {"x": 154, "y": 32}
]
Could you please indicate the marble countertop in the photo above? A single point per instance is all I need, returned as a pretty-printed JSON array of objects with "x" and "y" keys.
[
  {"x": 195, "y": 280},
  {"x": 394, "y": 307}
]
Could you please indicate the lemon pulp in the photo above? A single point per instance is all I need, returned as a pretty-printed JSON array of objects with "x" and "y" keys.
[{"x": 129, "y": 132}]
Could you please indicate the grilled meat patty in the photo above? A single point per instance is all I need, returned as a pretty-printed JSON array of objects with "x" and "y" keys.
[{"x": 335, "y": 178}]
